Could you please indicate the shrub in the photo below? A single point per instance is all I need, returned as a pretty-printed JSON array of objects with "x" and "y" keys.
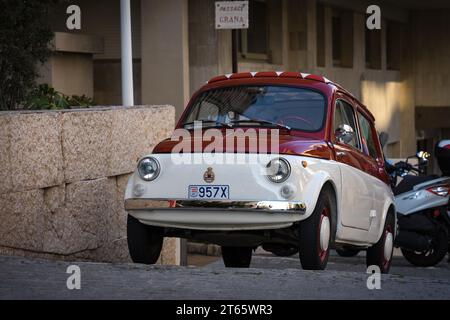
[{"x": 44, "y": 97}]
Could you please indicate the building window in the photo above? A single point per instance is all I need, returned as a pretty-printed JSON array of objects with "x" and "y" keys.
[
  {"x": 254, "y": 41},
  {"x": 373, "y": 48},
  {"x": 320, "y": 35},
  {"x": 394, "y": 45},
  {"x": 297, "y": 26},
  {"x": 342, "y": 37}
]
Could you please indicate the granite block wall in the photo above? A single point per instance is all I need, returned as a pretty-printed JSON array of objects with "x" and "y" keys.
[{"x": 63, "y": 176}]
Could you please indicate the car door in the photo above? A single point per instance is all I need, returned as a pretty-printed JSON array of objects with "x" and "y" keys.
[
  {"x": 356, "y": 195},
  {"x": 372, "y": 163}
]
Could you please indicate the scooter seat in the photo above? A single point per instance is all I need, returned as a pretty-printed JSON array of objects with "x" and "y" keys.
[{"x": 409, "y": 181}]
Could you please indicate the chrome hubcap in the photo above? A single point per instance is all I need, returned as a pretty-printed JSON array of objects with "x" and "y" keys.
[
  {"x": 324, "y": 233},
  {"x": 388, "y": 246}
]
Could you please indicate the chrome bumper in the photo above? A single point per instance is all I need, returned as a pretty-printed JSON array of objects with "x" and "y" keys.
[
  {"x": 225, "y": 205},
  {"x": 216, "y": 215}
]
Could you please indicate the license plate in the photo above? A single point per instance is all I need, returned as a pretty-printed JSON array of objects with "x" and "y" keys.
[{"x": 208, "y": 192}]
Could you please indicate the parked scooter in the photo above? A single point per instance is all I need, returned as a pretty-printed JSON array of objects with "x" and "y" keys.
[
  {"x": 422, "y": 203},
  {"x": 423, "y": 209}
]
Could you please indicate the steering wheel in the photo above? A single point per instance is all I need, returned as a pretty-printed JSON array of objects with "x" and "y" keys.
[{"x": 298, "y": 118}]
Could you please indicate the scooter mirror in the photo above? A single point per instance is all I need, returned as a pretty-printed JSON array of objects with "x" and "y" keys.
[{"x": 423, "y": 155}]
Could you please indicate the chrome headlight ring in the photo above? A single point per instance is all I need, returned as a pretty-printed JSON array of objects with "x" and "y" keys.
[
  {"x": 278, "y": 170},
  {"x": 149, "y": 168}
]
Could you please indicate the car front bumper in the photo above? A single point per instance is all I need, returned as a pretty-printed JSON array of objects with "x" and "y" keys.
[{"x": 216, "y": 215}]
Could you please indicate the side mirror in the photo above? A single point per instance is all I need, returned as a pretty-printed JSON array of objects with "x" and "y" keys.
[
  {"x": 344, "y": 133},
  {"x": 384, "y": 137}
]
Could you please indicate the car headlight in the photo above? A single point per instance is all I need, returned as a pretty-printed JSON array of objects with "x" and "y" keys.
[
  {"x": 278, "y": 170},
  {"x": 148, "y": 168}
]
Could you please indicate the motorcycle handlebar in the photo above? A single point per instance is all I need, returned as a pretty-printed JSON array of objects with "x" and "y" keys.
[{"x": 402, "y": 165}]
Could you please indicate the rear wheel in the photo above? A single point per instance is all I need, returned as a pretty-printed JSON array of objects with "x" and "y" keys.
[
  {"x": 144, "y": 242},
  {"x": 380, "y": 254},
  {"x": 315, "y": 234},
  {"x": 237, "y": 257},
  {"x": 431, "y": 257}
]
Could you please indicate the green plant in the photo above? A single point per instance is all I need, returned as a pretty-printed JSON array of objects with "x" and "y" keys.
[
  {"x": 25, "y": 34},
  {"x": 44, "y": 97},
  {"x": 80, "y": 101}
]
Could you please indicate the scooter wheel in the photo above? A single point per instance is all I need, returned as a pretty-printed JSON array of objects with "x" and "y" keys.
[{"x": 433, "y": 256}]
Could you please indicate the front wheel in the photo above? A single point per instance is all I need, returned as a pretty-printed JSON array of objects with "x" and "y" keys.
[
  {"x": 315, "y": 234},
  {"x": 144, "y": 242},
  {"x": 380, "y": 254},
  {"x": 237, "y": 257},
  {"x": 431, "y": 257}
]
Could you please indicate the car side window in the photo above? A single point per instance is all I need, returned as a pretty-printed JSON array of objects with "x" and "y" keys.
[
  {"x": 367, "y": 140},
  {"x": 344, "y": 115},
  {"x": 206, "y": 111}
]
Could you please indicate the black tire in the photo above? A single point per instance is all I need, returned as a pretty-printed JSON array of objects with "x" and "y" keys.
[
  {"x": 376, "y": 253},
  {"x": 347, "y": 252},
  {"x": 144, "y": 242},
  {"x": 431, "y": 257},
  {"x": 313, "y": 255},
  {"x": 237, "y": 257}
]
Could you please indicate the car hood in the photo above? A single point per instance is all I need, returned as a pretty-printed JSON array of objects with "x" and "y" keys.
[{"x": 258, "y": 142}]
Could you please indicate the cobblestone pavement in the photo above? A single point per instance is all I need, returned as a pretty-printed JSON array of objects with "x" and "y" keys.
[{"x": 268, "y": 278}]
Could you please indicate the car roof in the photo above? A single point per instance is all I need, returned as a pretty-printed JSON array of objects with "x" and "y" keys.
[{"x": 301, "y": 76}]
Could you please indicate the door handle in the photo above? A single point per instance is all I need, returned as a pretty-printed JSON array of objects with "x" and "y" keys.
[{"x": 341, "y": 153}]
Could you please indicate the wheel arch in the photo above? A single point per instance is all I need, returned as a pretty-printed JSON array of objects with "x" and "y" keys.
[
  {"x": 330, "y": 185},
  {"x": 389, "y": 209}
]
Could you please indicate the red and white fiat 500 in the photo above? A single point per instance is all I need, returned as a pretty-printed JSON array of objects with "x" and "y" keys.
[{"x": 284, "y": 160}]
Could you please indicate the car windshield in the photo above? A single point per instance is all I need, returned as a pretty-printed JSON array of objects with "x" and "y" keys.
[{"x": 290, "y": 107}]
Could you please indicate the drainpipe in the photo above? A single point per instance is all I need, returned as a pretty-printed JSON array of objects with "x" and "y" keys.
[{"x": 127, "y": 56}]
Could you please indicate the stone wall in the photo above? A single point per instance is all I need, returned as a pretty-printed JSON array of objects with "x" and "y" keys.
[{"x": 63, "y": 176}]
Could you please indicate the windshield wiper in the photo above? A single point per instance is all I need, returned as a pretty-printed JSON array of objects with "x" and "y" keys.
[
  {"x": 262, "y": 122},
  {"x": 217, "y": 123}
]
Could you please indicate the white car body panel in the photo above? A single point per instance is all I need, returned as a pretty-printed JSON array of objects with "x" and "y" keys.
[
  {"x": 354, "y": 201},
  {"x": 248, "y": 183}
]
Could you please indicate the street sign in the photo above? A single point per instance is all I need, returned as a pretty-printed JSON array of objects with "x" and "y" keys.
[{"x": 231, "y": 14}]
